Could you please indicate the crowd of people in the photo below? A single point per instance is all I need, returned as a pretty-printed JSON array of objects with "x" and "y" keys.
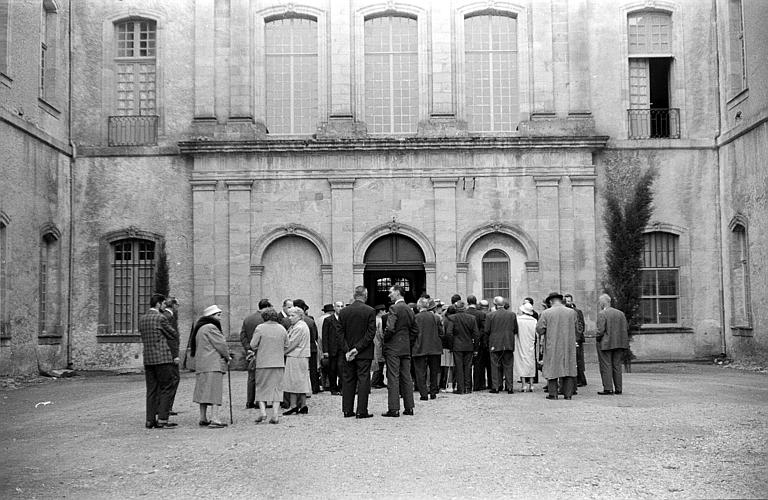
[{"x": 427, "y": 346}]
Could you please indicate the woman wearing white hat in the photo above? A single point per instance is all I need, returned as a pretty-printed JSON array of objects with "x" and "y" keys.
[
  {"x": 524, "y": 365},
  {"x": 209, "y": 348}
]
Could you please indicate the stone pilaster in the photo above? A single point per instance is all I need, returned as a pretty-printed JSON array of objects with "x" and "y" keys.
[
  {"x": 445, "y": 236},
  {"x": 239, "y": 192},
  {"x": 204, "y": 60},
  {"x": 548, "y": 218},
  {"x": 567, "y": 237},
  {"x": 220, "y": 235},
  {"x": 221, "y": 64},
  {"x": 341, "y": 59},
  {"x": 203, "y": 221},
  {"x": 560, "y": 55},
  {"x": 543, "y": 78},
  {"x": 240, "y": 93},
  {"x": 578, "y": 62},
  {"x": 585, "y": 251},
  {"x": 442, "y": 63},
  {"x": 257, "y": 292},
  {"x": 327, "y": 276},
  {"x": 342, "y": 236}
]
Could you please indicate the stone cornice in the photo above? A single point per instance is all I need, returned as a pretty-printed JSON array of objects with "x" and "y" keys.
[{"x": 201, "y": 147}]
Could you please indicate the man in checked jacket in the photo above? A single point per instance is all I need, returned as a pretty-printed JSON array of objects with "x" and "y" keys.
[{"x": 156, "y": 331}]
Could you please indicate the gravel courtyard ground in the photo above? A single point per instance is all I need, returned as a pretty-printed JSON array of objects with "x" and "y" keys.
[{"x": 678, "y": 431}]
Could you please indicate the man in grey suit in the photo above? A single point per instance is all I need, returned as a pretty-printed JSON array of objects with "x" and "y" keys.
[
  {"x": 612, "y": 343},
  {"x": 500, "y": 330}
]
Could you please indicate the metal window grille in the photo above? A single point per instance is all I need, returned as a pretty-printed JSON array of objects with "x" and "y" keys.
[
  {"x": 491, "y": 73},
  {"x": 391, "y": 74},
  {"x": 654, "y": 123},
  {"x": 495, "y": 274},
  {"x": 133, "y": 130},
  {"x": 133, "y": 271},
  {"x": 292, "y": 75}
]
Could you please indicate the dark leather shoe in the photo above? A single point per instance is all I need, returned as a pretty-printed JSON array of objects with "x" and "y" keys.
[
  {"x": 551, "y": 397},
  {"x": 408, "y": 412},
  {"x": 304, "y": 410},
  {"x": 617, "y": 392},
  {"x": 567, "y": 397},
  {"x": 166, "y": 425},
  {"x": 348, "y": 414},
  {"x": 172, "y": 413},
  {"x": 335, "y": 393},
  {"x": 423, "y": 398},
  {"x": 458, "y": 392},
  {"x": 150, "y": 425},
  {"x": 581, "y": 385},
  {"x": 510, "y": 391},
  {"x": 291, "y": 411},
  {"x": 605, "y": 393},
  {"x": 432, "y": 396},
  {"x": 391, "y": 413},
  {"x": 364, "y": 415}
]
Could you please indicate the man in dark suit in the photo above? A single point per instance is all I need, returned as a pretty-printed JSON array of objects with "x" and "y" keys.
[
  {"x": 612, "y": 343},
  {"x": 581, "y": 378},
  {"x": 333, "y": 349},
  {"x": 461, "y": 328},
  {"x": 287, "y": 304},
  {"x": 401, "y": 327},
  {"x": 170, "y": 309},
  {"x": 246, "y": 334},
  {"x": 480, "y": 348},
  {"x": 156, "y": 332},
  {"x": 500, "y": 329},
  {"x": 356, "y": 327}
]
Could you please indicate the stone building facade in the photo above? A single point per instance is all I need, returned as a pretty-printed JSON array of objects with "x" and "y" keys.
[{"x": 299, "y": 149}]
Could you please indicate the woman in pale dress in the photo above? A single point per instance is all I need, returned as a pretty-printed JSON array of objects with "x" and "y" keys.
[
  {"x": 296, "y": 377},
  {"x": 269, "y": 342},
  {"x": 524, "y": 367}
]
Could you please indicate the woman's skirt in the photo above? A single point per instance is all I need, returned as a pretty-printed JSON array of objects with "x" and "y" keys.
[
  {"x": 446, "y": 359},
  {"x": 296, "y": 376},
  {"x": 268, "y": 382},
  {"x": 208, "y": 388},
  {"x": 524, "y": 363}
]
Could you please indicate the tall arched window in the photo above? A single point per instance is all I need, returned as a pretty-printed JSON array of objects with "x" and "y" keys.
[
  {"x": 491, "y": 73},
  {"x": 391, "y": 74},
  {"x": 660, "y": 278},
  {"x": 741, "y": 300},
  {"x": 292, "y": 75},
  {"x": 133, "y": 279},
  {"x": 495, "y": 274},
  {"x": 49, "y": 289}
]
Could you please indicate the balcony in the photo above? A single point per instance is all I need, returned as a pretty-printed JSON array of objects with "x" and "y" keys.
[
  {"x": 656, "y": 123},
  {"x": 133, "y": 130}
]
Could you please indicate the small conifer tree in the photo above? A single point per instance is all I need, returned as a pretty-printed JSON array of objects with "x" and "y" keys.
[{"x": 162, "y": 279}]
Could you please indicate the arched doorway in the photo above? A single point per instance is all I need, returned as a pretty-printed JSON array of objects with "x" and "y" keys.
[{"x": 394, "y": 259}]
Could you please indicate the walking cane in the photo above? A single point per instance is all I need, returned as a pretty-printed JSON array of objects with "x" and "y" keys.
[{"x": 229, "y": 383}]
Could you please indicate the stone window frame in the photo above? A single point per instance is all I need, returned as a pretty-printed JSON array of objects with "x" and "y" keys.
[
  {"x": 486, "y": 259},
  {"x": 258, "y": 63},
  {"x": 737, "y": 56},
  {"x": 677, "y": 55},
  {"x": 50, "y": 55},
  {"x": 49, "y": 289},
  {"x": 5, "y": 42},
  {"x": 5, "y": 331},
  {"x": 739, "y": 227},
  {"x": 105, "y": 331},
  {"x": 108, "y": 68},
  {"x": 382, "y": 9},
  {"x": 524, "y": 50}
]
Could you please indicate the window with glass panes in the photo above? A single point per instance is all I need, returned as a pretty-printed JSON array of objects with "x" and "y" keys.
[
  {"x": 659, "y": 280},
  {"x": 391, "y": 74},
  {"x": 741, "y": 296},
  {"x": 135, "y": 62},
  {"x": 649, "y": 33},
  {"x": 292, "y": 75},
  {"x": 490, "y": 58},
  {"x": 495, "y": 274},
  {"x": 133, "y": 278}
]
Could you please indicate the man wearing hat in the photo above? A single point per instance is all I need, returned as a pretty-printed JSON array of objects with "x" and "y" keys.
[
  {"x": 427, "y": 349},
  {"x": 501, "y": 329},
  {"x": 246, "y": 334},
  {"x": 557, "y": 329},
  {"x": 333, "y": 349}
]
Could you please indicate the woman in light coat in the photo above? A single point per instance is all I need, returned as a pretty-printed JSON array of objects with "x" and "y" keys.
[
  {"x": 209, "y": 348},
  {"x": 296, "y": 377},
  {"x": 269, "y": 342},
  {"x": 524, "y": 365}
]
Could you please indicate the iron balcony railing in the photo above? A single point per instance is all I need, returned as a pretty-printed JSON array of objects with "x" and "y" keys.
[
  {"x": 655, "y": 123},
  {"x": 133, "y": 130}
]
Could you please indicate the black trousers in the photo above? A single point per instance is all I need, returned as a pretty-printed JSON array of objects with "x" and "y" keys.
[
  {"x": 176, "y": 380},
  {"x": 251, "y": 390},
  {"x": 336, "y": 371},
  {"x": 399, "y": 381},
  {"x": 431, "y": 361},
  {"x": 377, "y": 379},
  {"x": 481, "y": 368},
  {"x": 567, "y": 385},
  {"x": 159, "y": 379},
  {"x": 462, "y": 368},
  {"x": 581, "y": 379},
  {"x": 356, "y": 379},
  {"x": 314, "y": 375}
]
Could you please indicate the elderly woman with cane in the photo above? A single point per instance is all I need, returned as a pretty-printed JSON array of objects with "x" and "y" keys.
[
  {"x": 268, "y": 342},
  {"x": 209, "y": 348},
  {"x": 296, "y": 377}
]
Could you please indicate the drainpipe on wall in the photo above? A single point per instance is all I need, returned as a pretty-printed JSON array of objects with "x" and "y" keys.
[
  {"x": 718, "y": 197},
  {"x": 71, "y": 249}
]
